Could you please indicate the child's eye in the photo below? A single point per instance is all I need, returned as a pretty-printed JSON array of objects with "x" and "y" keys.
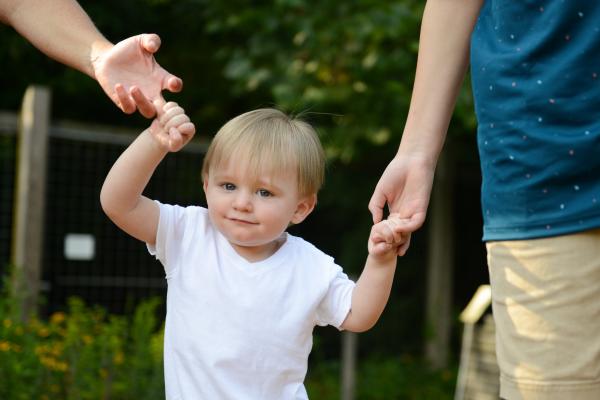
[
  {"x": 228, "y": 186},
  {"x": 264, "y": 193}
]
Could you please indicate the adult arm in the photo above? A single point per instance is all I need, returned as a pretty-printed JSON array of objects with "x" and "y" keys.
[
  {"x": 62, "y": 30},
  {"x": 405, "y": 185}
]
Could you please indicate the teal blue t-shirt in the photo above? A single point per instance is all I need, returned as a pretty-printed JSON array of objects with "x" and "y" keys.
[{"x": 535, "y": 68}]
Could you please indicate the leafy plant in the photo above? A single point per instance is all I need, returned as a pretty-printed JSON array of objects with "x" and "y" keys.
[{"x": 83, "y": 353}]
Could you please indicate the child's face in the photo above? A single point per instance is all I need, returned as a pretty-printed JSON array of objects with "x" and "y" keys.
[{"x": 253, "y": 211}]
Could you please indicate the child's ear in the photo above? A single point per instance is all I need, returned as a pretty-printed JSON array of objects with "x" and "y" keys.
[
  {"x": 305, "y": 207},
  {"x": 204, "y": 182}
]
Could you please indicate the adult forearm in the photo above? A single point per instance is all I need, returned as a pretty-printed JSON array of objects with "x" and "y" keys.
[
  {"x": 442, "y": 62},
  {"x": 60, "y": 29}
]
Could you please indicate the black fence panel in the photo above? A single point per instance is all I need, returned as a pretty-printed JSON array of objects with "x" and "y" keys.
[{"x": 85, "y": 254}]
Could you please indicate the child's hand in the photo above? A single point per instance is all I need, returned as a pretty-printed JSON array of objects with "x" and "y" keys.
[
  {"x": 171, "y": 128},
  {"x": 389, "y": 237}
]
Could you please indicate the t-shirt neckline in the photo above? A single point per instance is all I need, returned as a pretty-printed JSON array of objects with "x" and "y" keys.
[{"x": 272, "y": 261}]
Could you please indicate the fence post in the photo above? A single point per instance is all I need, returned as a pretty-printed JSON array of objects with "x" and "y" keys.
[
  {"x": 32, "y": 144},
  {"x": 349, "y": 349}
]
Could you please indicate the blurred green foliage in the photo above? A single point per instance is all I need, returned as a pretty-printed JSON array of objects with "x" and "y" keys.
[
  {"x": 377, "y": 378},
  {"x": 82, "y": 353},
  {"x": 87, "y": 354}
]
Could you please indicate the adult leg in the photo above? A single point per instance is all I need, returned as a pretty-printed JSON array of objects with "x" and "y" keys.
[{"x": 546, "y": 305}]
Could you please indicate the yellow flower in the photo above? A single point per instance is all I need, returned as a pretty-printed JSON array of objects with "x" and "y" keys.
[
  {"x": 54, "y": 364},
  {"x": 87, "y": 339},
  {"x": 57, "y": 318},
  {"x": 7, "y": 323},
  {"x": 56, "y": 349},
  {"x": 41, "y": 350},
  {"x": 61, "y": 366},
  {"x": 43, "y": 332},
  {"x": 4, "y": 346}
]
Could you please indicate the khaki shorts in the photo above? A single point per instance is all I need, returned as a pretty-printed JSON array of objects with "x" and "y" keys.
[{"x": 546, "y": 305}]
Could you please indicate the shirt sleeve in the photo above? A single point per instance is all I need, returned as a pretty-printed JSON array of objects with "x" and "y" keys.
[
  {"x": 336, "y": 304},
  {"x": 169, "y": 236}
]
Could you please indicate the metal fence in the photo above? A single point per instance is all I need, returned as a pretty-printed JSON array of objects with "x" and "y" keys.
[
  {"x": 121, "y": 272},
  {"x": 84, "y": 254}
]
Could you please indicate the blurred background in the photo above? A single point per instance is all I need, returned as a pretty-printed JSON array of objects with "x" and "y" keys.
[{"x": 348, "y": 68}]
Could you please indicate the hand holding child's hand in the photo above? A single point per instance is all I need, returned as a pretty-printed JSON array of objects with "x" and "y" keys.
[
  {"x": 130, "y": 76},
  {"x": 389, "y": 236},
  {"x": 171, "y": 128}
]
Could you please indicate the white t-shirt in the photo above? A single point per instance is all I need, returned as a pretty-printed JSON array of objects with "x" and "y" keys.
[{"x": 236, "y": 329}]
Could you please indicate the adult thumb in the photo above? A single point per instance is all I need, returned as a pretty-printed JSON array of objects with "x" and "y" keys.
[{"x": 150, "y": 42}]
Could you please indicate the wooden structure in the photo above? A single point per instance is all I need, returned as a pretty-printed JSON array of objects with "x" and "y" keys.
[
  {"x": 30, "y": 197},
  {"x": 478, "y": 375}
]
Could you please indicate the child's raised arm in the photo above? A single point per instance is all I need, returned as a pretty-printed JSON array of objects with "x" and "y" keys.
[
  {"x": 121, "y": 195},
  {"x": 388, "y": 239}
]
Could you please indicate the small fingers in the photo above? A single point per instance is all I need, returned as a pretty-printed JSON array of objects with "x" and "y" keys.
[
  {"x": 386, "y": 231},
  {"x": 187, "y": 129},
  {"x": 173, "y": 116},
  {"x": 160, "y": 135},
  {"x": 381, "y": 248},
  {"x": 170, "y": 106},
  {"x": 395, "y": 230},
  {"x": 175, "y": 139}
]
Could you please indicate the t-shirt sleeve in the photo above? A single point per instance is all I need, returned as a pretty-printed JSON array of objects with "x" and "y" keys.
[
  {"x": 336, "y": 303},
  {"x": 169, "y": 236}
]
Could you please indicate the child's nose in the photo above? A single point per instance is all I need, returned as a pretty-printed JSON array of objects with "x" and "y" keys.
[{"x": 242, "y": 201}]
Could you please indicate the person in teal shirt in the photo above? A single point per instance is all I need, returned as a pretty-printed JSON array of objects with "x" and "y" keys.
[{"x": 535, "y": 69}]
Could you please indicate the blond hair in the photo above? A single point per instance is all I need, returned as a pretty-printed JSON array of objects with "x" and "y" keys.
[{"x": 269, "y": 140}]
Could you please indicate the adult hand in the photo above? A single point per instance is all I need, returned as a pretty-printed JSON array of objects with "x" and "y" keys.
[
  {"x": 128, "y": 64},
  {"x": 405, "y": 187}
]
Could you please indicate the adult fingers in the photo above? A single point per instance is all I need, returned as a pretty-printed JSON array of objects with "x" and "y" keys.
[
  {"x": 150, "y": 42},
  {"x": 410, "y": 224},
  {"x": 159, "y": 105},
  {"x": 172, "y": 83},
  {"x": 376, "y": 205},
  {"x": 403, "y": 248},
  {"x": 124, "y": 100},
  {"x": 144, "y": 105}
]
